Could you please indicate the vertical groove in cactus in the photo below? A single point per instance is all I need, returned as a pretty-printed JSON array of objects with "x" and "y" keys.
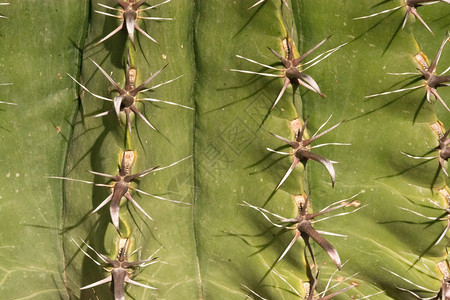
[
  {"x": 101, "y": 139},
  {"x": 218, "y": 247},
  {"x": 37, "y": 49}
]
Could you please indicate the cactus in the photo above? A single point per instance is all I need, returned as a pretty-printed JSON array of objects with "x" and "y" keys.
[{"x": 222, "y": 245}]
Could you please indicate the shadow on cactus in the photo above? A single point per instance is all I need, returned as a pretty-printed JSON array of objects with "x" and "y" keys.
[{"x": 445, "y": 216}]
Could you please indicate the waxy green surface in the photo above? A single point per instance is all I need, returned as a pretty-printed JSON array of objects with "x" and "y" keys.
[{"x": 215, "y": 248}]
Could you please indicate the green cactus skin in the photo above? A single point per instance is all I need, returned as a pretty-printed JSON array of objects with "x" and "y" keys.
[{"x": 216, "y": 248}]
